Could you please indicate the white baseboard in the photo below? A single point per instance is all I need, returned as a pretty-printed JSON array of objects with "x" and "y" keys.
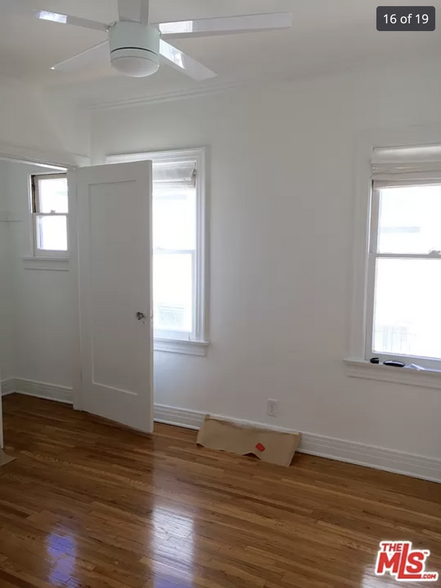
[
  {"x": 190, "y": 419},
  {"x": 38, "y": 389},
  {"x": 417, "y": 466},
  {"x": 8, "y": 386}
]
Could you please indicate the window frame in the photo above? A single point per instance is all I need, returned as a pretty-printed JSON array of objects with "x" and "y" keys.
[
  {"x": 197, "y": 343},
  {"x": 35, "y": 213},
  {"x": 373, "y": 255},
  {"x": 367, "y": 146}
]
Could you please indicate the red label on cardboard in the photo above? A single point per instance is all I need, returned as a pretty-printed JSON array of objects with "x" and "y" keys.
[{"x": 260, "y": 447}]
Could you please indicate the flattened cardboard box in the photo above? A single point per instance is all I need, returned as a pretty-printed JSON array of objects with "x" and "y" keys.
[{"x": 269, "y": 446}]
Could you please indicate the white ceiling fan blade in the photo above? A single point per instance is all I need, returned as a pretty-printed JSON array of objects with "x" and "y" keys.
[
  {"x": 129, "y": 10},
  {"x": 145, "y": 11},
  {"x": 23, "y": 7},
  {"x": 70, "y": 20},
  {"x": 185, "y": 63},
  {"x": 98, "y": 54},
  {"x": 225, "y": 25},
  {"x": 134, "y": 10}
]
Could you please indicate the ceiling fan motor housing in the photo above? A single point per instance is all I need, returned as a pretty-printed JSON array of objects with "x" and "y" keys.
[{"x": 134, "y": 48}]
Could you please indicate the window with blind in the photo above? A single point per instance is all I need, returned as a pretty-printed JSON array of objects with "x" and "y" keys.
[
  {"x": 179, "y": 248},
  {"x": 404, "y": 269}
]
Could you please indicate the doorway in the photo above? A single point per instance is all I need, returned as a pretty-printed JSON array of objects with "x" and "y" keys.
[{"x": 44, "y": 280}]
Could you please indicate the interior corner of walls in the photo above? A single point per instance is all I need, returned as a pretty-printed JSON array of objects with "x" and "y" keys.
[
  {"x": 63, "y": 394},
  {"x": 42, "y": 127},
  {"x": 69, "y": 125},
  {"x": 7, "y": 386}
]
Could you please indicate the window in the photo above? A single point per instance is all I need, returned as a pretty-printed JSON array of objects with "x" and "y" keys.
[
  {"x": 179, "y": 248},
  {"x": 404, "y": 283},
  {"x": 49, "y": 215},
  {"x": 174, "y": 249}
]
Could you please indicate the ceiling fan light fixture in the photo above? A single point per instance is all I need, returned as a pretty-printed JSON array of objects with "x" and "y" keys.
[
  {"x": 135, "y": 64},
  {"x": 134, "y": 49}
]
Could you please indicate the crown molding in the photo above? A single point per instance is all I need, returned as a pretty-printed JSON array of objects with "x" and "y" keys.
[
  {"x": 43, "y": 157},
  {"x": 172, "y": 96}
]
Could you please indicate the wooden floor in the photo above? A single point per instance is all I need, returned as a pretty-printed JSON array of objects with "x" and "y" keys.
[{"x": 87, "y": 504}]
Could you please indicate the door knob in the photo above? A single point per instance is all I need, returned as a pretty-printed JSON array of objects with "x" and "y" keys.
[{"x": 140, "y": 316}]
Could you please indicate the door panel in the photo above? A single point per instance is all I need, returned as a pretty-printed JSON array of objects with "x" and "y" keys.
[{"x": 114, "y": 271}]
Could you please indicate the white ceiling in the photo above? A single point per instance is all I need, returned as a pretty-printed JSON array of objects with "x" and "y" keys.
[{"x": 327, "y": 36}]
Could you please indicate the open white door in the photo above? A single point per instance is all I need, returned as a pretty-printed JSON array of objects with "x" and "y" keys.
[{"x": 113, "y": 217}]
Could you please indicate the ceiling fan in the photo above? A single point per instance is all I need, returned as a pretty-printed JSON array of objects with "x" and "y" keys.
[{"x": 135, "y": 45}]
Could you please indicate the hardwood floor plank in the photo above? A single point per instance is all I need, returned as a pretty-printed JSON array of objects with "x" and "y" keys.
[{"x": 89, "y": 504}]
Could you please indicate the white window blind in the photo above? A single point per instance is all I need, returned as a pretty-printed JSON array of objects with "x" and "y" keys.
[
  {"x": 404, "y": 164},
  {"x": 174, "y": 174}
]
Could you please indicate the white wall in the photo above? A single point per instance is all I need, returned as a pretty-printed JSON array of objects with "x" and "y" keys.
[
  {"x": 39, "y": 123},
  {"x": 282, "y": 198},
  {"x": 40, "y": 303},
  {"x": 7, "y": 306},
  {"x": 281, "y": 208},
  {"x": 32, "y": 123}
]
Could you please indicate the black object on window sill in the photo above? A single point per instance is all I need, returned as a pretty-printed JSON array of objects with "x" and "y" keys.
[{"x": 394, "y": 363}]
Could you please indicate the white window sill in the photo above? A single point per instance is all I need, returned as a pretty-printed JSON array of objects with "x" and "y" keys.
[
  {"x": 57, "y": 264},
  {"x": 183, "y": 347},
  {"x": 360, "y": 368}
]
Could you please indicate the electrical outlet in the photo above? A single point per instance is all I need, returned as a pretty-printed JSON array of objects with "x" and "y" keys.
[{"x": 271, "y": 407}]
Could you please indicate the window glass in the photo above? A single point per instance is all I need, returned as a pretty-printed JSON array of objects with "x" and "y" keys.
[
  {"x": 410, "y": 219},
  {"x": 52, "y": 233},
  {"x": 407, "y": 315},
  {"x": 53, "y": 195},
  {"x": 173, "y": 291}
]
